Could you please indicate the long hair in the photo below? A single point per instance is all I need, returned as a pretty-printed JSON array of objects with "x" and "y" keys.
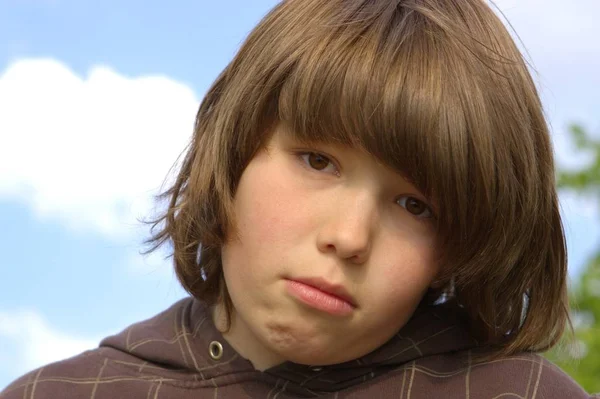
[{"x": 435, "y": 89}]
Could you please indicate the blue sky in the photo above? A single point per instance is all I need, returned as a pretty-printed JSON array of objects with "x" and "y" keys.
[{"x": 97, "y": 99}]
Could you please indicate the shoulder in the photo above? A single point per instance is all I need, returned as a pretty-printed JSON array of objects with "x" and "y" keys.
[
  {"x": 525, "y": 375},
  {"x": 102, "y": 373},
  {"x": 457, "y": 375},
  {"x": 70, "y": 378}
]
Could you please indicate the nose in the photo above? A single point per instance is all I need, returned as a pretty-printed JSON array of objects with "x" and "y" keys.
[{"x": 348, "y": 228}]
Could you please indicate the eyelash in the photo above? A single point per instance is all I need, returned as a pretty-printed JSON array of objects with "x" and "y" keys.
[{"x": 302, "y": 154}]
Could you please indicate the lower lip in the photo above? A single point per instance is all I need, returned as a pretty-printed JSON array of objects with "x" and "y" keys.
[{"x": 317, "y": 299}]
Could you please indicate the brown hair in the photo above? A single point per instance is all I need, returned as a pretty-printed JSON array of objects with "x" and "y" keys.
[{"x": 435, "y": 89}]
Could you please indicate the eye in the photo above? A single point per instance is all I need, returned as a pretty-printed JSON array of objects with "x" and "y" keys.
[
  {"x": 416, "y": 207},
  {"x": 318, "y": 162}
]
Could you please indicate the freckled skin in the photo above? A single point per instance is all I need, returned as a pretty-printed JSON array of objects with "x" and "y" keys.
[{"x": 344, "y": 224}]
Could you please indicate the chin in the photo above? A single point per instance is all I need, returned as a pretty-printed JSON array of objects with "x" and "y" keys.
[{"x": 308, "y": 349}]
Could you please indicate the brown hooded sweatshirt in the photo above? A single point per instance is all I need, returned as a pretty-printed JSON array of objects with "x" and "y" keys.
[{"x": 176, "y": 355}]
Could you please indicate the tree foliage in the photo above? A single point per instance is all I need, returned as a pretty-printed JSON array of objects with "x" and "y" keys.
[{"x": 579, "y": 355}]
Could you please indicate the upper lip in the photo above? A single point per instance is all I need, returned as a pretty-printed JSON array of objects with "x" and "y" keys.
[{"x": 337, "y": 290}]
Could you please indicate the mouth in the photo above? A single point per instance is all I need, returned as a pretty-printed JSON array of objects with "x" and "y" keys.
[{"x": 322, "y": 295}]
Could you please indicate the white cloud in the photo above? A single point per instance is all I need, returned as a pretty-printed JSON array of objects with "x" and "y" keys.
[
  {"x": 89, "y": 150},
  {"x": 34, "y": 343}
]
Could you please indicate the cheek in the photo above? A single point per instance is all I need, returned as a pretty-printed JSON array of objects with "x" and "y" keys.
[
  {"x": 264, "y": 219},
  {"x": 272, "y": 212},
  {"x": 406, "y": 273}
]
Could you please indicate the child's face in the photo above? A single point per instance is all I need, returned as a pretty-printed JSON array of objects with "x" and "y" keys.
[{"x": 347, "y": 226}]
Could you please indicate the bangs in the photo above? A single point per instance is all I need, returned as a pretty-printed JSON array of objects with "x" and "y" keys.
[{"x": 380, "y": 83}]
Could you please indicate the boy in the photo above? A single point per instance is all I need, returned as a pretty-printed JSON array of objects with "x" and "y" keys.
[{"x": 367, "y": 209}]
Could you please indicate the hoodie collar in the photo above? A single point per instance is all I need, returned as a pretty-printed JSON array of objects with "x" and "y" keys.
[
  {"x": 184, "y": 339},
  {"x": 433, "y": 330}
]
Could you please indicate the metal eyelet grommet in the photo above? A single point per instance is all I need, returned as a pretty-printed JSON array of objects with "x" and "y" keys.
[{"x": 215, "y": 349}]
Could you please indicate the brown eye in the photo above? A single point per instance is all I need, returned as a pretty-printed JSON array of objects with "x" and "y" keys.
[
  {"x": 416, "y": 207},
  {"x": 317, "y": 161}
]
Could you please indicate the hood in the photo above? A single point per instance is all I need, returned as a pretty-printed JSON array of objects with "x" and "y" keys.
[{"x": 179, "y": 341}]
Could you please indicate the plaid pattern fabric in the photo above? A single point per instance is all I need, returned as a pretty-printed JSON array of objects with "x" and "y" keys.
[{"x": 168, "y": 357}]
